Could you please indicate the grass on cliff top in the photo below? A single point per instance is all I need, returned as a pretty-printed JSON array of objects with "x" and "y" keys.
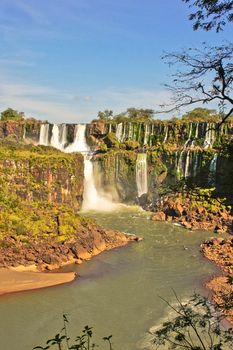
[
  {"x": 13, "y": 150},
  {"x": 24, "y": 220}
]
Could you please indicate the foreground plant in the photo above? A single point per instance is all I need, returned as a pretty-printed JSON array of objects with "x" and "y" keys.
[
  {"x": 62, "y": 341},
  {"x": 196, "y": 325}
]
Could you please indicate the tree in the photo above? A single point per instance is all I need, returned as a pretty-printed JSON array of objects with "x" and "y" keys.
[
  {"x": 11, "y": 114},
  {"x": 105, "y": 115},
  {"x": 211, "y": 13},
  {"x": 204, "y": 75},
  {"x": 200, "y": 114},
  {"x": 141, "y": 114},
  {"x": 196, "y": 325}
]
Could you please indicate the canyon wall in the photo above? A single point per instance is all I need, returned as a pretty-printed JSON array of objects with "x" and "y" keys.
[
  {"x": 42, "y": 174},
  {"x": 136, "y": 162}
]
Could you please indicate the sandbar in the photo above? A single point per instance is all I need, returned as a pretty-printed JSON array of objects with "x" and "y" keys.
[{"x": 15, "y": 281}]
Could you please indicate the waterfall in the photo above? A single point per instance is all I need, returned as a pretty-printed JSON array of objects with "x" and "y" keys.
[
  {"x": 91, "y": 197},
  {"x": 195, "y": 165},
  {"x": 141, "y": 174},
  {"x": 130, "y": 135},
  {"x": 186, "y": 168},
  {"x": 119, "y": 129},
  {"x": 139, "y": 132},
  {"x": 59, "y": 136},
  {"x": 123, "y": 137},
  {"x": 196, "y": 136},
  {"x": 212, "y": 170},
  {"x": 152, "y": 134},
  {"x": 209, "y": 135},
  {"x": 166, "y": 134},
  {"x": 55, "y": 139},
  {"x": 189, "y": 136},
  {"x": 146, "y": 135},
  {"x": 180, "y": 165},
  {"x": 63, "y": 135},
  {"x": 79, "y": 144},
  {"x": 44, "y": 135}
]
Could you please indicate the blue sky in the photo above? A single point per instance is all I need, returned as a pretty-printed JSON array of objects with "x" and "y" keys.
[{"x": 64, "y": 60}]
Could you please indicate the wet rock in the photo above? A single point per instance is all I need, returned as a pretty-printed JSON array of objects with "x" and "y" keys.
[
  {"x": 159, "y": 216},
  {"x": 46, "y": 258}
]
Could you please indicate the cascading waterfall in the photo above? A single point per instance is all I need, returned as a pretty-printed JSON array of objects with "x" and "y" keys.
[
  {"x": 139, "y": 132},
  {"x": 188, "y": 160},
  {"x": 141, "y": 174},
  {"x": 189, "y": 136},
  {"x": 149, "y": 133},
  {"x": 166, "y": 134},
  {"x": 91, "y": 197},
  {"x": 63, "y": 135},
  {"x": 44, "y": 135},
  {"x": 209, "y": 135},
  {"x": 130, "y": 134},
  {"x": 119, "y": 129},
  {"x": 123, "y": 137},
  {"x": 212, "y": 170},
  {"x": 180, "y": 165},
  {"x": 55, "y": 139},
  {"x": 152, "y": 134},
  {"x": 186, "y": 168},
  {"x": 79, "y": 143},
  {"x": 195, "y": 164},
  {"x": 146, "y": 135},
  {"x": 195, "y": 137}
]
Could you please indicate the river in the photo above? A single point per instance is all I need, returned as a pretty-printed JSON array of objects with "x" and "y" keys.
[{"x": 118, "y": 292}]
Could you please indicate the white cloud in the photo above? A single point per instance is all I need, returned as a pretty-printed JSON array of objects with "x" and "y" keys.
[{"x": 62, "y": 106}]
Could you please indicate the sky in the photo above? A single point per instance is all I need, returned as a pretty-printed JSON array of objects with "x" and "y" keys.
[{"x": 65, "y": 60}]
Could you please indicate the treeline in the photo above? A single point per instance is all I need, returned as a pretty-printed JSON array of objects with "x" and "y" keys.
[
  {"x": 133, "y": 115},
  {"x": 147, "y": 115}
]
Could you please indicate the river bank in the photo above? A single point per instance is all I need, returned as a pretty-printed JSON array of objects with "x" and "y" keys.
[
  {"x": 48, "y": 253},
  {"x": 220, "y": 251},
  {"x": 195, "y": 210},
  {"x": 25, "y": 252},
  {"x": 30, "y": 276}
]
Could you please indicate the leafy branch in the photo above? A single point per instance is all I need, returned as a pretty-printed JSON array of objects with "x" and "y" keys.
[{"x": 61, "y": 340}]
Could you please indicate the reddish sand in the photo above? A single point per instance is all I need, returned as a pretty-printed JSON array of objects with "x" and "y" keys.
[{"x": 15, "y": 281}]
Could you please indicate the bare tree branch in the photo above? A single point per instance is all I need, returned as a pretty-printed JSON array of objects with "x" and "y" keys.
[{"x": 203, "y": 76}]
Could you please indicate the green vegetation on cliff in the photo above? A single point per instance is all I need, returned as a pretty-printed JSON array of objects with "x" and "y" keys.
[
  {"x": 11, "y": 114},
  {"x": 37, "y": 173},
  {"x": 39, "y": 189}
]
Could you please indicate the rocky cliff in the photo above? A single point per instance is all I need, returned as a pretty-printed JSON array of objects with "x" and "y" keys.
[
  {"x": 41, "y": 189},
  {"x": 41, "y": 174},
  {"x": 136, "y": 162}
]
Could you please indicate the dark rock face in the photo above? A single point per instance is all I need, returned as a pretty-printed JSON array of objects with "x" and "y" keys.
[{"x": 224, "y": 177}]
